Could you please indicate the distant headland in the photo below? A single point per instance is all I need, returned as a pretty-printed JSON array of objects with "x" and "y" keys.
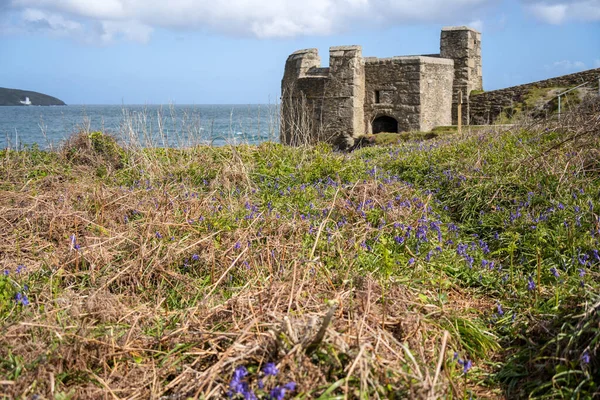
[{"x": 16, "y": 97}]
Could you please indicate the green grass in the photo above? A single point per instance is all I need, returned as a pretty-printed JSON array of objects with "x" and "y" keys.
[{"x": 168, "y": 269}]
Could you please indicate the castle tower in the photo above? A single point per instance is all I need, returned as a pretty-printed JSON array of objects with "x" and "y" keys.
[
  {"x": 463, "y": 45},
  {"x": 343, "y": 105},
  {"x": 298, "y": 117}
]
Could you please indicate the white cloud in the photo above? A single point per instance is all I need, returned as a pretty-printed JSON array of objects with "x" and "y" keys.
[
  {"x": 135, "y": 19},
  {"x": 476, "y": 24},
  {"x": 130, "y": 30},
  {"x": 567, "y": 66},
  {"x": 52, "y": 23},
  {"x": 560, "y": 11}
]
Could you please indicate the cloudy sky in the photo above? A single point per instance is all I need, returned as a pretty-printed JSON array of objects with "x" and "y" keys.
[{"x": 209, "y": 52}]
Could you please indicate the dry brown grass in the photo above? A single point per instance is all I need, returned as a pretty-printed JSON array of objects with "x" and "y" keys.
[{"x": 176, "y": 283}]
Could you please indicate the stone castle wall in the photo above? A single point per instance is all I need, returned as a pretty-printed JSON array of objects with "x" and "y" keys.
[
  {"x": 485, "y": 108},
  {"x": 397, "y": 80},
  {"x": 345, "y": 99},
  {"x": 437, "y": 77},
  {"x": 414, "y": 90},
  {"x": 302, "y": 89}
]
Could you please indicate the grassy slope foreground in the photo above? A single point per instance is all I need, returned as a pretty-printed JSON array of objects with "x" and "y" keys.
[{"x": 463, "y": 266}]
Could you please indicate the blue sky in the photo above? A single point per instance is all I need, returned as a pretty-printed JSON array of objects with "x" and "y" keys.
[{"x": 233, "y": 52}]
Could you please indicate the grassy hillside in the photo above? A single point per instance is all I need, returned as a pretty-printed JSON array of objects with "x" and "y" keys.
[
  {"x": 12, "y": 97},
  {"x": 460, "y": 266}
]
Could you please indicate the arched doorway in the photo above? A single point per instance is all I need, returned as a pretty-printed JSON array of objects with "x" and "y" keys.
[{"x": 385, "y": 124}]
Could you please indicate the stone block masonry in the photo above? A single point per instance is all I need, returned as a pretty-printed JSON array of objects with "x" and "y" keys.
[
  {"x": 357, "y": 95},
  {"x": 485, "y": 108}
]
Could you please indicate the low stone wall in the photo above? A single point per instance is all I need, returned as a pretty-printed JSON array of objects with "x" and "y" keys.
[{"x": 485, "y": 108}]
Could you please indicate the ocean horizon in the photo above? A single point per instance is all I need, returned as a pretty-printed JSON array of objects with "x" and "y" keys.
[{"x": 149, "y": 125}]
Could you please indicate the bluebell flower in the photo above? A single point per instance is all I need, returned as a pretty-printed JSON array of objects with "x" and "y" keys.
[
  {"x": 195, "y": 257},
  {"x": 530, "y": 284},
  {"x": 500, "y": 310},
  {"x": 238, "y": 386},
  {"x": 554, "y": 272},
  {"x": 585, "y": 357},
  {"x": 467, "y": 366},
  {"x": 158, "y": 235},
  {"x": 277, "y": 393},
  {"x": 6, "y": 272},
  {"x": 240, "y": 373},
  {"x": 411, "y": 261},
  {"x": 270, "y": 369},
  {"x": 581, "y": 272},
  {"x": 291, "y": 386},
  {"x": 22, "y": 299}
]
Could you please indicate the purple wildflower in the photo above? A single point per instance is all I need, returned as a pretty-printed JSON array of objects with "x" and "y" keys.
[
  {"x": 554, "y": 272},
  {"x": 411, "y": 261},
  {"x": 74, "y": 243},
  {"x": 22, "y": 298},
  {"x": 467, "y": 366},
  {"x": 500, "y": 310},
  {"x": 585, "y": 357},
  {"x": 270, "y": 369},
  {"x": 530, "y": 284},
  {"x": 277, "y": 393},
  {"x": 238, "y": 386},
  {"x": 195, "y": 257}
]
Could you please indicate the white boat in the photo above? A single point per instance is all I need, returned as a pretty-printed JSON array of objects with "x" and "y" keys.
[{"x": 25, "y": 102}]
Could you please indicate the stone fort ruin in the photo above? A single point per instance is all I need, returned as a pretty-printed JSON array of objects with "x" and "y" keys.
[{"x": 359, "y": 95}]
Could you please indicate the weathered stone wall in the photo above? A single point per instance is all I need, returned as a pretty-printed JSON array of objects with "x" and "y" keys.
[
  {"x": 463, "y": 45},
  {"x": 397, "y": 80},
  {"x": 343, "y": 103},
  {"x": 302, "y": 89},
  {"x": 437, "y": 75},
  {"x": 414, "y": 90},
  {"x": 484, "y": 108},
  {"x": 320, "y": 104}
]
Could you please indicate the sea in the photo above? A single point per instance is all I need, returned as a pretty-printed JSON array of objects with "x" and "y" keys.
[{"x": 144, "y": 125}]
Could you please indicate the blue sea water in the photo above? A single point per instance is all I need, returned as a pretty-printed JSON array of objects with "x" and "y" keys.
[{"x": 146, "y": 125}]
